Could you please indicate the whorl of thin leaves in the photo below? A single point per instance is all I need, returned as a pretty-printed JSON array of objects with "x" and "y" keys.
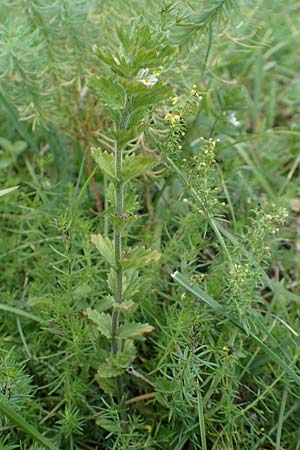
[
  {"x": 244, "y": 273},
  {"x": 201, "y": 17},
  {"x": 42, "y": 57}
]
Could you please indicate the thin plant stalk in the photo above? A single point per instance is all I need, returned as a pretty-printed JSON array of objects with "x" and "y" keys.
[{"x": 119, "y": 210}]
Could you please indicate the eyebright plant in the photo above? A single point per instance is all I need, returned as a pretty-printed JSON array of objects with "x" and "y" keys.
[{"x": 130, "y": 94}]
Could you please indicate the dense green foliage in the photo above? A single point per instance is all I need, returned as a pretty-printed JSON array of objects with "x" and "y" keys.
[{"x": 149, "y": 256}]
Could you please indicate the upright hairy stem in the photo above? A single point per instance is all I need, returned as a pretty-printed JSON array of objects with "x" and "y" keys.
[{"x": 118, "y": 153}]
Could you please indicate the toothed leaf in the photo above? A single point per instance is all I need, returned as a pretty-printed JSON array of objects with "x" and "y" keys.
[
  {"x": 105, "y": 247},
  {"x": 102, "y": 320},
  {"x": 138, "y": 257},
  {"x": 105, "y": 161},
  {"x": 131, "y": 330}
]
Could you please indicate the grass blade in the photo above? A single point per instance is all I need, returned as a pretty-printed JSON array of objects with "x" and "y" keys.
[
  {"x": 281, "y": 418},
  {"x": 184, "y": 282},
  {"x": 201, "y": 421},
  {"x": 7, "y": 190},
  {"x": 20, "y": 312},
  {"x": 21, "y": 423}
]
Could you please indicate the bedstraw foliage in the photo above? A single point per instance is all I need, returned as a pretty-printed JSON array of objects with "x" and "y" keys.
[{"x": 148, "y": 204}]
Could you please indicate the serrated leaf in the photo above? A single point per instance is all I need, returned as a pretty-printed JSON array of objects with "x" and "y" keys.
[
  {"x": 135, "y": 165},
  {"x": 124, "y": 38},
  {"x": 102, "y": 320},
  {"x": 151, "y": 96},
  {"x": 124, "y": 359},
  {"x": 105, "y": 247},
  {"x": 106, "y": 384},
  {"x": 136, "y": 117},
  {"x": 146, "y": 57},
  {"x": 131, "y": 283},
  {"x": 111, "y": 280},
  {"x": 104, "y": 55},
  {"x": 120, "y": 222},
  {"x": 116, "y": 63},
  {"x": 110, "y": 91},
  {"x": 138, "y": 257},
  {"x": 107, "y": 370},
  {"x": 105, "y": 161},
  {"x": 115, "y": 365},
  {"x": 126, "y": 135},
  {"x": 131, "y": 330}
]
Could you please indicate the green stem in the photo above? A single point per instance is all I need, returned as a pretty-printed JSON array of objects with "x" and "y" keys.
[{"x": 119, "y": 276}]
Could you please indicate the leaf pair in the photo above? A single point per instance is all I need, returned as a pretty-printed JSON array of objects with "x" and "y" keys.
[
  {"x": 128, "y": 330},
  {"x": 132, "y": 259},
  {"x": 133, "y": 166}
]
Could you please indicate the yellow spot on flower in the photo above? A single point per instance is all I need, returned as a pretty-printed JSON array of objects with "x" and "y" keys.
[
  {"x": 172, "y": 118},
  {"x": 195, "y": 93}
]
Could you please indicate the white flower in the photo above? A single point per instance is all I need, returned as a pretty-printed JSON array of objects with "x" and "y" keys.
[
  {"x": 233, "y": 120},
  {"x": 146, "y": 79}
]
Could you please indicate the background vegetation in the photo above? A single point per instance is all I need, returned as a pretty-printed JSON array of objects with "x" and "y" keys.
[{"x": 221, "y": 369}]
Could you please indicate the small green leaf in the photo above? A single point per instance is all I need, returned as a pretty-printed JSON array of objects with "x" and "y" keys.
[
  {"x": 5, "y": 144},
  {"x": 122, "y": 221},
  {"x": 131, "y": 283},
  {"x": 138, "y": 257},
  {"x": 151, "y": 96},
  {"x": 107, "y": 370},
  {"x": 110, "y": 91},
  {"x": 105, "y": 247},
  {"x": 124, "y": 38},
  {"x": 116, "y": 63},
  {"x": 126, "y": 135},
  {"x": 136, "y": 118},
  {"x": 110, "y": 425},
  {"x": 115, "y": 365},
  {"x": 14, "y": 149},
  {"x": 105, "y": 303},
  {"x": 106, "y": 384},
  {"x": 124, "y": 358},
  {"x": 131, "y": 330},
  {"x": 102, "y": 320},
  {"x": 18, "y": 148},
  {"x": 105, "y": 161},
  {"x": 104, "y": 55},
  {"x": 135, "y": 165}
]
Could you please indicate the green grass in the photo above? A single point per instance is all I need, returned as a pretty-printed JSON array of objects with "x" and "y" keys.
[{"x": 220, "y": 370}]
